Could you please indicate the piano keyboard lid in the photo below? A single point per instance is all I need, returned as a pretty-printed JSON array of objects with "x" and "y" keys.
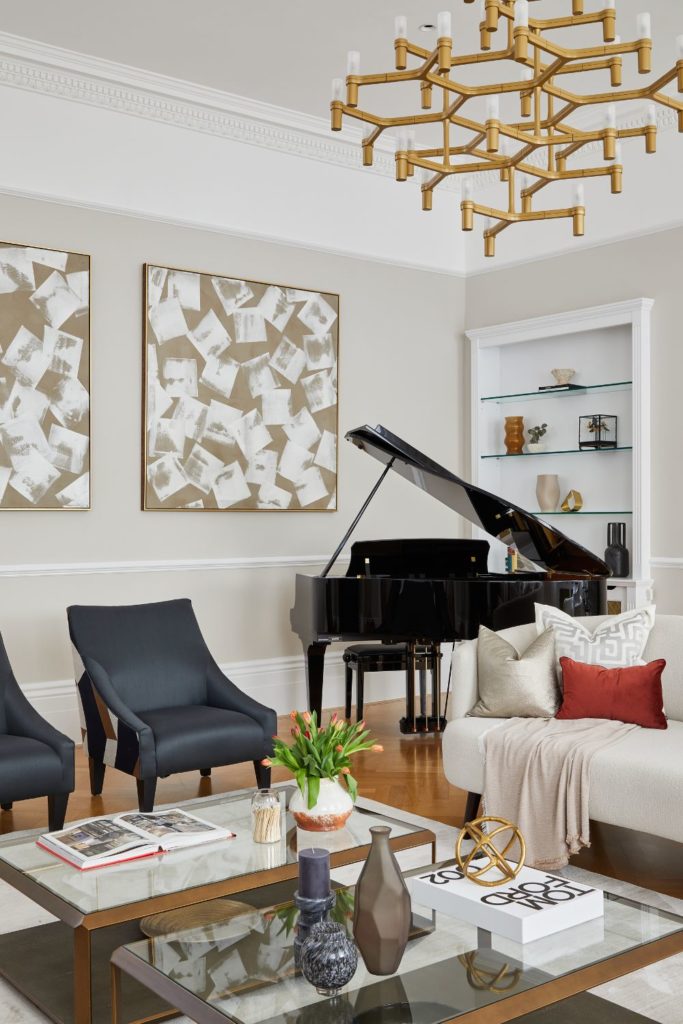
[{"x": 540, "y": 543}]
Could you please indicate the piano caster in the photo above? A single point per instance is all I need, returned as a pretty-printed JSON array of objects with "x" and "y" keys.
[{"x": 423, "y": 724}]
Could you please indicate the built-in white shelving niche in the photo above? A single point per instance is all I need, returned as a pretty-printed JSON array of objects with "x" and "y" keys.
[{"x": 609, "y": 348}]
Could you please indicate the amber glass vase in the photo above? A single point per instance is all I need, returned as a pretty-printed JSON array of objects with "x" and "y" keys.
[
  {"x": 381, "y": 923},
  {"x": 514, "y": 434}
]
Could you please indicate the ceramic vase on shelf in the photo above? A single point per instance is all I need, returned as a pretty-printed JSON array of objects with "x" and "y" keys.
[
  {"x": 548, "y": 491},
  {"x": 330, "y": 811},
  {"x": 616, "y": 552},
  {"x": 381, "y": 923},
  {"x": 514, "y": 435}
]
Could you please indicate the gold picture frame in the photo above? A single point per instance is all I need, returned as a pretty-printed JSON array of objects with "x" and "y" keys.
[
  {"x": 45, "y": 378},
  {"x": 240, "y": 404}
]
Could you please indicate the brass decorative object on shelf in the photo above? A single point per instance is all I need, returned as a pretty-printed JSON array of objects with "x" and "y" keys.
[
  {"x": 573, "y": 502},
  {"x": 537, "y": 148},
  {"x": 496, "y": 858}
]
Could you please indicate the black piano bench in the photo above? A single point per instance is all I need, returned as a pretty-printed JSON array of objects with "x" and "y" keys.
[{"x": 394, "y": 658}]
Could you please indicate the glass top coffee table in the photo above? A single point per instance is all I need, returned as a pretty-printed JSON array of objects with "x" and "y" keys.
[
  {"x": 88, "y": 901},
  {"x": 243, "y": 972}
]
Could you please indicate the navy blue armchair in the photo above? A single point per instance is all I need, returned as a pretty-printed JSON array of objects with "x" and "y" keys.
[
  {"x": 35, "y": 758},
  {"x": 155, "y": 702}
]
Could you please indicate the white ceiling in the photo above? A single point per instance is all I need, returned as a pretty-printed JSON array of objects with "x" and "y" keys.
[{"x": 284, "y": 53}]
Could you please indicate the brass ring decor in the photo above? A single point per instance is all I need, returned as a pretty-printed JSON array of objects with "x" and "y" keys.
[
  {"x": 496, "y": 856},
  {"x": 487, "y": 979},
  {"x": 573, "y": 502}
]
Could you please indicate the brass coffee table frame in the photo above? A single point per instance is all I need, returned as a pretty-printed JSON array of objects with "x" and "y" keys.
[
  {"x": 510, "y": 1008},
  {"x": 83, "y": 925}
]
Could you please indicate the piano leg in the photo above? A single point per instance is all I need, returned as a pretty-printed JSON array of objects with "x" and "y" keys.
[
  {"x": 408, "y": 724},
  {"x": 436, "y": 725},
  {"x": 315, "y": 668}
]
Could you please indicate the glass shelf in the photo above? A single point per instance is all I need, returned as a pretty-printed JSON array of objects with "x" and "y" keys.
[
  {"x": 579, "y": 515},
  {"x": 590, "y": 389},
  {"x": 561, "y": 451}
]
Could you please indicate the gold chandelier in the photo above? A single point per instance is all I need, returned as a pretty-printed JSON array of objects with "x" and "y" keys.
[{"x": 531, "y": 153}]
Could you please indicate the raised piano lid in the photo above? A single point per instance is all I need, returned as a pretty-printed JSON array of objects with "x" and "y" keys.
[{"x": 536, "y": 540}]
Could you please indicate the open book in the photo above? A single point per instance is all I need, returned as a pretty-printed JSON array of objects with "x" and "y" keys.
[{"x": 99, "y": 841}]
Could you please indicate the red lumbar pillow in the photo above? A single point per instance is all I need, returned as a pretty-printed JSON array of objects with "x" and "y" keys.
[{"x": 632, "y": 695}]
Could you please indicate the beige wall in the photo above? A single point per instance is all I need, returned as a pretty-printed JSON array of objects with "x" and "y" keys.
[
  {"x": 401, "y": 364},
  {"x": 649, "y": 266}
]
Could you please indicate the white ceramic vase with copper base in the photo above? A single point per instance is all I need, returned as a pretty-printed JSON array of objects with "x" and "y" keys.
[{"x": 330, "y": 812}]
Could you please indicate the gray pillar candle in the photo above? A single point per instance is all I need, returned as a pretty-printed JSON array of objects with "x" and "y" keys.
[{"x": 314, "y": 874}]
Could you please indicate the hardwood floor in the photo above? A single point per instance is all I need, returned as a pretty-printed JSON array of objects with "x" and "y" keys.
[{"x": 408, "y": 775}]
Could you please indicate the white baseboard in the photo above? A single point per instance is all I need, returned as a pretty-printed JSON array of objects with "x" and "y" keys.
[{"x": 279, "y": 683}]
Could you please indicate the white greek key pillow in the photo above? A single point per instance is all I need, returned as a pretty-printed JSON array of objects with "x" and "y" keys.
[{"x": 617, "y": 642}]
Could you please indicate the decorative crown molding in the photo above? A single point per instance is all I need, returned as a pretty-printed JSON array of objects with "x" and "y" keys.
[{"x": 68, "y": 75}]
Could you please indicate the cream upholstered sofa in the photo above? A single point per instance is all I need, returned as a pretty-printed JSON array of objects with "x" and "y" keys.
[{"x": 636, "y": 783}]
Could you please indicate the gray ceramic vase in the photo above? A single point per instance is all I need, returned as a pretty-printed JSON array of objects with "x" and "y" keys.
[
  {"x": 381, "y": 923},
  {"x": 329, "y": 957}
]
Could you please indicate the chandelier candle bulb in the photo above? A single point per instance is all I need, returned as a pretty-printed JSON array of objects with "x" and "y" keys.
[
  {"x": 444, "y": 43},
  {"x": 353, "y": 62},
  {"x": 679, "y": 61},
  {"x": 521, "y": 31},
  {"x": 492, "y": 123},
  {"x": 609, "y": 21},
  {"x": 610, "y": 135},
  {"x": 651, "y": 129},
  {"x": 645, "y": 44},
  {"x": 579, "y": 195},
  {"x": 400, "y": 48},
  {"x": 338, "y": 89},
  {"x": 491, "y": 15}
]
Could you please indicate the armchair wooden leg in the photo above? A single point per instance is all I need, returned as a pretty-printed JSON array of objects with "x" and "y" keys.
[
  {"x": 56, "y": 810},
  {"x": 472, "y": 806},
  {"x": 262, "y": 775},
  {"x": 146, "y": 791},
  {"x": 96, "y": 776},
  {"x": 205, "y": 772},
  {"x": 6, "y": 807}
]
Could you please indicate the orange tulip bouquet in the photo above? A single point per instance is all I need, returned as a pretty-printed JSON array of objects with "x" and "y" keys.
[{"x": 319, "y": 758}]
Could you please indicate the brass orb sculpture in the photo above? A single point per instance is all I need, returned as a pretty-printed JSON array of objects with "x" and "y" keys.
[{"x": 496, "y": 856}]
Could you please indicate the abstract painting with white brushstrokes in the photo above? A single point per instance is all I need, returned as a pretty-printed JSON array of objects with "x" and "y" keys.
[
  {"x": 240, "y": 395},
  {"x": 44, "y": 378}
]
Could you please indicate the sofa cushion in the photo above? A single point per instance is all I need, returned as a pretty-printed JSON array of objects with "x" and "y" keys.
[
  {"x": 617, "y": 642},
  {"x": 516, "y": 685},
  {"x": 666, "y": 641},
  {"x": 196, "y": 737},
  {"x": 634, "y": 783},
  {"x": 637, "y": 782},
  {"x": 632, "y": 695}
]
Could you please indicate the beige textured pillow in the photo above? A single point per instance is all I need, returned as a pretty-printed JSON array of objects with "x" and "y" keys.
[{"x": 513, "y": 685}]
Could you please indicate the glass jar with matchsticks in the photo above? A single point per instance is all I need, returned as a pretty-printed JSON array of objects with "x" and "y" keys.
[{"x": 266, "y": 816}]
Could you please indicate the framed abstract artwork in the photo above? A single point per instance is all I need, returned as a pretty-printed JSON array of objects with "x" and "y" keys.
[
  {"x": 240, "y": 394},
  {"x": 44, "y": 378}
]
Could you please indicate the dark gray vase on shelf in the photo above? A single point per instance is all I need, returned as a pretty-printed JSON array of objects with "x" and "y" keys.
[
  {"x": 616, "y": 552},
  {"x": 381, "y": 923}
]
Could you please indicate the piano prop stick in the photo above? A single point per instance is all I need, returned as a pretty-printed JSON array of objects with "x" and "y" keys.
[{"x": 425, "y": 591}]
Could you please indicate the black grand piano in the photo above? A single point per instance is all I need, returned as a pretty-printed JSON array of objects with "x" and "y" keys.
[{"x": 430, "y": 591}]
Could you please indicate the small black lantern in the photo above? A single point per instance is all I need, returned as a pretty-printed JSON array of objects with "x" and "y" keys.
[{"x": 598, "y": 431}]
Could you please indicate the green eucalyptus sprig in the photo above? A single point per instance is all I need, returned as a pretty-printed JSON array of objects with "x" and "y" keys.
[{"x": 320, "y": 752}]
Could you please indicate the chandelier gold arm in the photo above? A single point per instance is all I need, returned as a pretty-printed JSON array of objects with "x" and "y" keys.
[{"x": 544, "y": 133}]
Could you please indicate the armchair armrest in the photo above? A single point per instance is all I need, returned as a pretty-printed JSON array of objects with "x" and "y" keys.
[
  {"x": 103, "y": 686},
  {"x": 24, "y": 720},
  {"x": 464, "y": 679},
  {"x": 222, "y": 693}
]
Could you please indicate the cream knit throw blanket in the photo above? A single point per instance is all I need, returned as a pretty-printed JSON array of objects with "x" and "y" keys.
[{"x": 537, "y": 776}]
